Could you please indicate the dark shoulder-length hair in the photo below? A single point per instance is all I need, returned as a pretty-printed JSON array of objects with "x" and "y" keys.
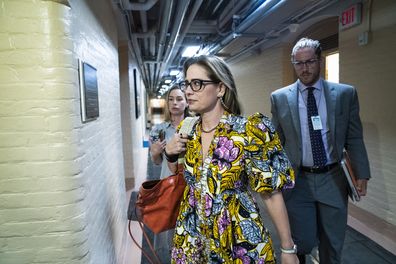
[{"x": 218, "y": 70}]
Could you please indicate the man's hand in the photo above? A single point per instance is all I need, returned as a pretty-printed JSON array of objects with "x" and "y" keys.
[{"x": 361, "y": 186}]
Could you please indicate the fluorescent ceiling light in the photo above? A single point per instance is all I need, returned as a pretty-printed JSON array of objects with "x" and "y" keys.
[
  {"x": 168, "y": 81},
  {"x": 174, "y": 72},
  {"x": 190, "y": 51}
]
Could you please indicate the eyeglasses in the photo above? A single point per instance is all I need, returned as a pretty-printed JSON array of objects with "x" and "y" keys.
[
  {"x": 195, "y": 84},
  {"x": 301, "y": 64}
]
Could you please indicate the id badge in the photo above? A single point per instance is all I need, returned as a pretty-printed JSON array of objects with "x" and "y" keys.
[{"x": 316, "y": 122}]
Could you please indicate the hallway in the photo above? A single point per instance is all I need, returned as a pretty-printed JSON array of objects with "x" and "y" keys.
[{"x": 78, "y": 84}]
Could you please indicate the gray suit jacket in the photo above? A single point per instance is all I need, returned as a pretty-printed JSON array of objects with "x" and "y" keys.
[{"x": 343, "y": 118}]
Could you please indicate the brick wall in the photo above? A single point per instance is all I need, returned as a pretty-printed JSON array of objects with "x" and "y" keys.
[
  {"x": 256, "y": 78},
  {"x": 62, "y": 193}
]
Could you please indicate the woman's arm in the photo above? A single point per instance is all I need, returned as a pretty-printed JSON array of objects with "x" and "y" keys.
[{"x": 277, "y": 210}]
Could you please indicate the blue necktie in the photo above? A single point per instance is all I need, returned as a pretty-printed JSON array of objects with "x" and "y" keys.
[{"x": 318, "y": 150}]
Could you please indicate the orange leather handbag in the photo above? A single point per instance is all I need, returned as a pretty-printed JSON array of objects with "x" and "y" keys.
[{"x": 158, "y": 201}]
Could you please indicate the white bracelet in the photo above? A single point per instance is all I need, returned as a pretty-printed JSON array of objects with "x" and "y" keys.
[{"x": 292, "y": 250}]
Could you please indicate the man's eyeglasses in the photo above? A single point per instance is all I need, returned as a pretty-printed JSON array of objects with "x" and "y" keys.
[
  {"x": 195, "y": 84},
  {"x": 301, "y": 64}
]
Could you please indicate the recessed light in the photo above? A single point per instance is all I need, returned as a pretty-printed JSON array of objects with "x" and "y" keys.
[
  {"x": 174, "y": 72},
  {"x": 190, "y": 51}
]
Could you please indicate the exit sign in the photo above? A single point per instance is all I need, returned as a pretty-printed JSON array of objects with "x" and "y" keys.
[{"x": 351, "y": 16}]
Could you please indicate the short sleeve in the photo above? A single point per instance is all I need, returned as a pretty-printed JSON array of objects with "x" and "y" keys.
[{"x": 267, "y": 165}]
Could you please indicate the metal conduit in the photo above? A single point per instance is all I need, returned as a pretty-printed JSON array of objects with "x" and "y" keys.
[
  {"x": 134, "y": 47},
  {"x": 138, "y": 6},
  {"x": 167, "y": 14},
  {"x": 180, "y": 39},
  {"x": 265, "y": 9},
  {"x": 181, "y": 14},
  {"x": 319, "y": 6}
]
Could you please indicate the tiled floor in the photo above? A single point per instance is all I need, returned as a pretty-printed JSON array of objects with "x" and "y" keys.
[
  {"x": 134, "y": 254},
  {"x": 358, "y": 249}
]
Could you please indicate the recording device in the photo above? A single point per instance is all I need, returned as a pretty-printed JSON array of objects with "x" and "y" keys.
[
  {"x": 161, "y": 135},
  {"x": 188, "y": 126}
]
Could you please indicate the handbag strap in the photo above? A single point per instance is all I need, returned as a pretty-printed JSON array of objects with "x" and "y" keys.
[
  {"x": 156, "y": 261},
  {"x": 149, "y": 242},
  {"x": 187, "y": 128}
]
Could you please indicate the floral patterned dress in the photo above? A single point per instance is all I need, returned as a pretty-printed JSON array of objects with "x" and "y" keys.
[{"x": 219, "y": 221}]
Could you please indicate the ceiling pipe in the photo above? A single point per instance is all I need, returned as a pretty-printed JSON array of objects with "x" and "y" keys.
[
  {"x": 208, "y": 8},
  {"x": 134, "y": 48},
  {"x": 308, "y": 13},
  {"x": 319, "y": 6},
  {"x": 177, "y": 24},
  {"x": 166, "y": 17},
  {"x": 148, "y": 34},
  {"x": 228, "y": 12},
  {"x": 149, "y": 39},
  {"x": 147, "y": 70},
  {"x": 145, "y": 46},
  {"x": 138, "y": 55},
  {"x": 152, "y": 55},
  {"x": 194, "y": 10},
  {"x": 217, "y": 6},
  {"x": 262, "y": 11},
  {"x": 143, "y": 21},
  {"x": 127, "y": 5}
]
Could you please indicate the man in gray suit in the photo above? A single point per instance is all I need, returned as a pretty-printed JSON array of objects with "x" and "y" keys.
[{"x": 316, "y": 120}]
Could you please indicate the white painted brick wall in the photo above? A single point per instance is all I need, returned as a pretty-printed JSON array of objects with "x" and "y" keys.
[
  {"x": 256, "y": 77},
  {"x": 62, "y": 193}
]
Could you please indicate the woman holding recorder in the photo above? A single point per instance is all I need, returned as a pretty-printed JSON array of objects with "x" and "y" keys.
[{"x": 219, "y": 221}]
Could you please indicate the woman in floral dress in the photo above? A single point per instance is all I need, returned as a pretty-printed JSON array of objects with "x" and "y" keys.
[{"x": 227, "y": 156}]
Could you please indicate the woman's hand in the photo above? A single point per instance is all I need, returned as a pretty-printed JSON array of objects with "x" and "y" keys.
[
  {"x": 157, "y": 147},
  {"x": 176, "y": 145}
]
